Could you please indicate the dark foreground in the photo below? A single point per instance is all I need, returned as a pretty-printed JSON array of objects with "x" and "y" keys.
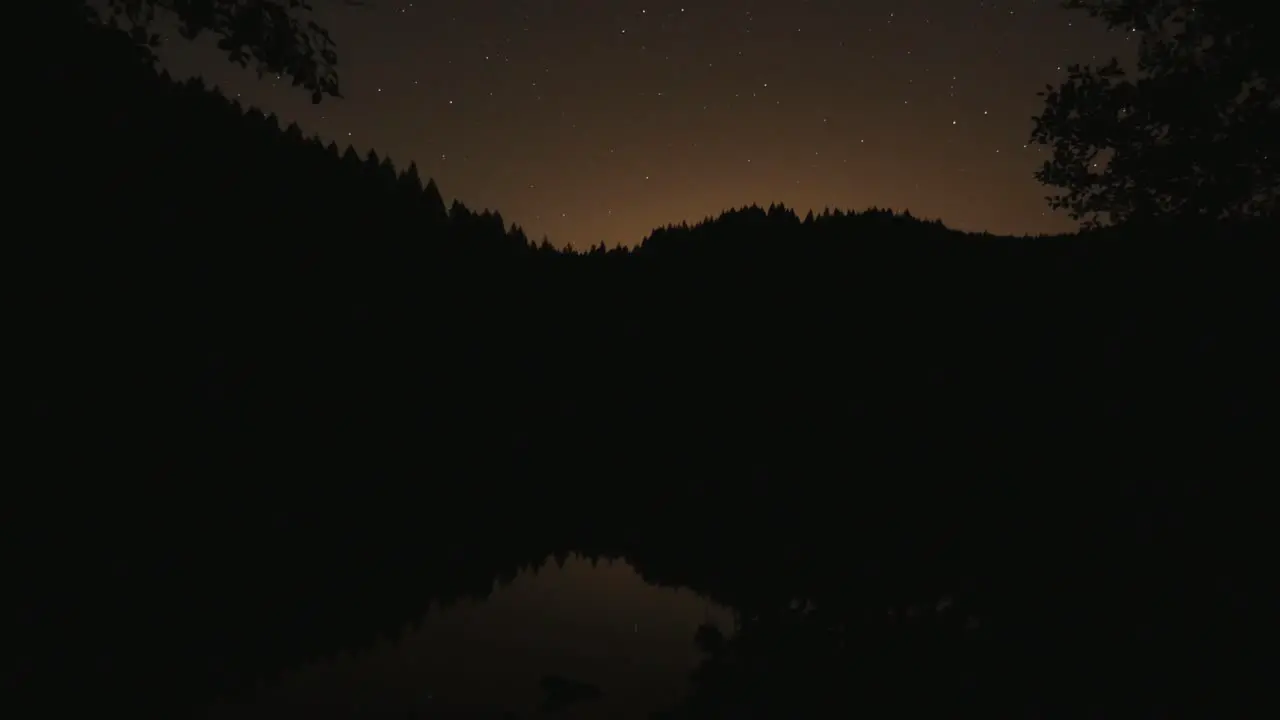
[{"x": 299, "y": 399}]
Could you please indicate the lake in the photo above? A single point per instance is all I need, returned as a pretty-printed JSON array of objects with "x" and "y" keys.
[{"x": 589, "y": 622}]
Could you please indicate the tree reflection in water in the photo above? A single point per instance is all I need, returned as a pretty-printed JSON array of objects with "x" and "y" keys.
[{"x": 571, "y": 636}]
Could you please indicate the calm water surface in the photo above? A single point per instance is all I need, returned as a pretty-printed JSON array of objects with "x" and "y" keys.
[{"x": 598, "y": 624}]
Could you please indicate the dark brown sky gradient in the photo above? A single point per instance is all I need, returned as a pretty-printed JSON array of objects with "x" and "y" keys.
[{"x": 592, "y": 120}]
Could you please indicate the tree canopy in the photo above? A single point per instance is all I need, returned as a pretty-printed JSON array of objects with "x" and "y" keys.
[
  {"x": 1194, "y": 133},
  {"x": 279, "y": 36}
]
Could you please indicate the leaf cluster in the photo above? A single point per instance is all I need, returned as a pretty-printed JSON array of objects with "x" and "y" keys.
[
  {"x": 1193, "y": 133},
  {"x": 277, "y": 36}
]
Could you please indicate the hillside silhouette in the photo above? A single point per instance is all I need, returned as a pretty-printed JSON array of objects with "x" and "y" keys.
[{"x": 277, "y": 397}]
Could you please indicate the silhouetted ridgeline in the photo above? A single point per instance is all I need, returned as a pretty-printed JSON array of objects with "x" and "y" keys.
[
  {"x": 244, "y": 352},
  {"x": 303, "y": 305}
]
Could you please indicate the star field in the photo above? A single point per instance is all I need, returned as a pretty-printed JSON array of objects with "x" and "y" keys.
[{"x": 592, "y": 121}]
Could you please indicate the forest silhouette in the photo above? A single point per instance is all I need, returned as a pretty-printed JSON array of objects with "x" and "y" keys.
[{"x": 278, "y": 397}]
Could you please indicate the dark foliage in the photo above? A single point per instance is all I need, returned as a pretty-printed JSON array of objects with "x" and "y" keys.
[
  {"x": 278, "y": 36},
  {"x": 1196, "y": 133},
  {"x": 275, "y": 397}
]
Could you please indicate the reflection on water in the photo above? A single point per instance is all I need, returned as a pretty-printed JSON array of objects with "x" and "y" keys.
[{"x": 599, "y": 624}]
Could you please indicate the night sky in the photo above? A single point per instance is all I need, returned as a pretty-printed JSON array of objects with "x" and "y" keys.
[{"x": 598, "y": 120}]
